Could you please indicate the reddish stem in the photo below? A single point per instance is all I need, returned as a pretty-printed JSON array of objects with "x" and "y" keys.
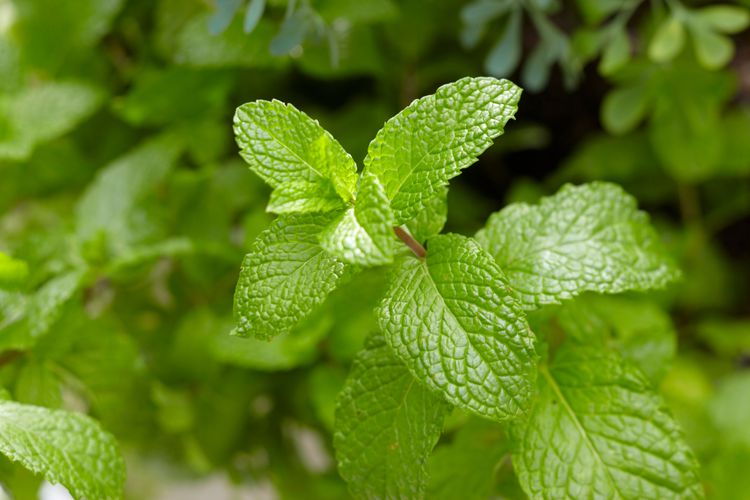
[{"x": 413, "y": 244}]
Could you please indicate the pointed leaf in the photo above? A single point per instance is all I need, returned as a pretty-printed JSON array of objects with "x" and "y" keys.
[
  {"x": 597, "y": 430},
  {"x": 435, "y": 137},
  {"x": 283, "y": 145},
  {"x": 584, "y": 238},
  {"x": 285, "y": 276},
  {"x": 452, "y": 320},
  {"x": 668, "y": 40},
  {"x": 67, "y": 448},
  {"x": 386, "y": 426}
]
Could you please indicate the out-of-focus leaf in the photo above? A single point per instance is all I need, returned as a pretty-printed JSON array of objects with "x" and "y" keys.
[
  {"x": 222, "y": 18},
  {"x": 253, "y": 13},
  {"x": 623, "y": 108},
  {"x": 668, "y": 40},
  {"x": 505, "y": 54}
]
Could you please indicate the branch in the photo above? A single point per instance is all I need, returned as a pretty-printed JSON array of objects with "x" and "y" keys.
[{"x": 413, "y": 244}]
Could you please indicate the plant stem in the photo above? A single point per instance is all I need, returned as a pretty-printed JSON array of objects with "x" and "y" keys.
[{"x": 410, "y": 242}]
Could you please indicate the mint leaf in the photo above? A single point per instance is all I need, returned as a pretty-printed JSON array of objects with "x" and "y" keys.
[
  {"x": 584, "y": 238},
  {"x": 452, "y": 320},
  {"x": 303, "y": 196},
  {"x": 386, "y": 426},
  {"x": 67, "y": 448},
  {"x": 285, "y": 276},
  {"x": 435, "y": 137},
  {"x": 597, "y": 429},
  {"x": 364, "y": 233},
  {"x": 283, "y": 145},
  {"x": 110, "y": 204},
  {"x": 46, "y": 305},
  {"x": 430, "y": 220}
]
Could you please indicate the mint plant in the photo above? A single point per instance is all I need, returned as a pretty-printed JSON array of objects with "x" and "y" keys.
[{"x": 478, "y": 324}]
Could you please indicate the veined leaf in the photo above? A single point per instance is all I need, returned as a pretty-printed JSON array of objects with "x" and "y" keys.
[
  {"x": 452, "y": 319},
  {"x": 597, "y": 429},
  {"x": 363, "y": 234},
  {"x": 286, "y": 275},
  {"x": 386, "y": 426},
  {"x": 283, "y": 145},
  {"x": 584, "y": 238},
  {"x": 67, "y": 448},
  {"x": 435, "y": 137}
]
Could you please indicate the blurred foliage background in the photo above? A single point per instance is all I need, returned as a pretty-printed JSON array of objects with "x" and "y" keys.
[{"x": 125, "y": 211}]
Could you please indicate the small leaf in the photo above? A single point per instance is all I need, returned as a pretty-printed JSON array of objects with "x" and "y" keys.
[
  {"x": 584, "y": 238},
  {"x": 668, "y": 40},
  {"x": 67, "y": 448},
  {"x": 452, "y": 320},
  {"x": 623, "y": 108},
  {"x": 363, "y": 234},
  {"x": 616, "y": 54},
  {"x": 283, "y": 145},
  {"x": 253, "y": 13},
  {"x": 293, "y": 32},
  {"x": 386, "y": 426},
  {"x": 435, "y": 137},
  {"x": 222, "y": 18},
  {"x": 285, "y": 276},
  {"x": 505, "y": 54},
  {"x": 728, "y": 19},
  {"x": 597, "y": 429},
  {"x": 712, "y": 50},
  {"x": 47, "y": 304}
]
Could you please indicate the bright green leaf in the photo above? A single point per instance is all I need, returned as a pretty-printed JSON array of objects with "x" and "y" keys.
[
  {"x": 285, "y": 276},
  {"x": 363, "y": 234},
  {"x": 452, "y": 320},
  {"x": 435, "y": 137},
  {"x": 616, "y": 54},
  {"x": 712, "y": 50},
  {"x": 67, "y": 448},
  {"x": 584, "y": 238},
  {"x": 598, "y": 430},
  {"x": 13, "y": 272},
  {"x": 623, "y": 108},
  {"x": 668, "y": 40},
  {"x": 46, "y": 305},
  {"x": 283, "y": 145},
  {"x": 430, "y": 220},
  {"x": 725, "y": 18},
  {"x": 386, "y": 426}
]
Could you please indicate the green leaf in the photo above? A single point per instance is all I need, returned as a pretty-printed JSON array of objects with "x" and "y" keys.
[
  {"x": 430, "y": 221},
  {"x": 222, "y": 18},
  {"x": 386, "y": 426},
  {"x": 46, "y": 305},
  {"x": 285, "y": 276},
  {"x": 43, "y": 112},
  {"x": 435, "y": 137},
  {"x": 623, "y": 108},
  {"x": 616, "y": 54},
  {"x": 363, "y": 234},
  {"x": 283, "y": 145},
  {"x": 728, "y": 19},
  {"x": 452, "y": 320},
  {"x": 730, "y": 409},
  {"x": 668, "y": 40},
  {"x": 504, "y": 56},
  {"x": 712, "y": 50},
  {"x": 67, "y": 448},
  {"x": 38, "y": 384},
  {"x": 597, "y": 429},
  {"x": 584, "y": 238},
  {"x": 253, "y": 13},
  {"x": 303, "y": 196},
  {"x": 13, "y": 272},
  {"x": 111, "y": 202}
]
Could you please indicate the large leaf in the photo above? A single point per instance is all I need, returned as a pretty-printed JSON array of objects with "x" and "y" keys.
[
  {"x": 67, "y": 448},
  {"x": 286, "y": 147},
  {"x": 597, "y": 430},
  {"x": 452, "y": 319},
  {"x": 435, "y": 137},
  {"x": 285, "y": 276},
  {"x": 584, "y": 238},
  {"x": 386, "y": 426}
]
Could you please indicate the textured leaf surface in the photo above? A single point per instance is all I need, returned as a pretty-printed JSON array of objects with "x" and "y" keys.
[
  {"x": 597, "y": 430},
  {"x": 386, "y": 426},
  {"x": 364, "y": 233},
  {"x": 431, "y": 219},
  {"x": 435, "y": 137},
  {"x": 67, "y": 448},
  {"x": 452, "y": 320},
  {"x": 283, "y": 145},
  {"x": 584, "y": 238},
  {"x": 285, "y": 276}
]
